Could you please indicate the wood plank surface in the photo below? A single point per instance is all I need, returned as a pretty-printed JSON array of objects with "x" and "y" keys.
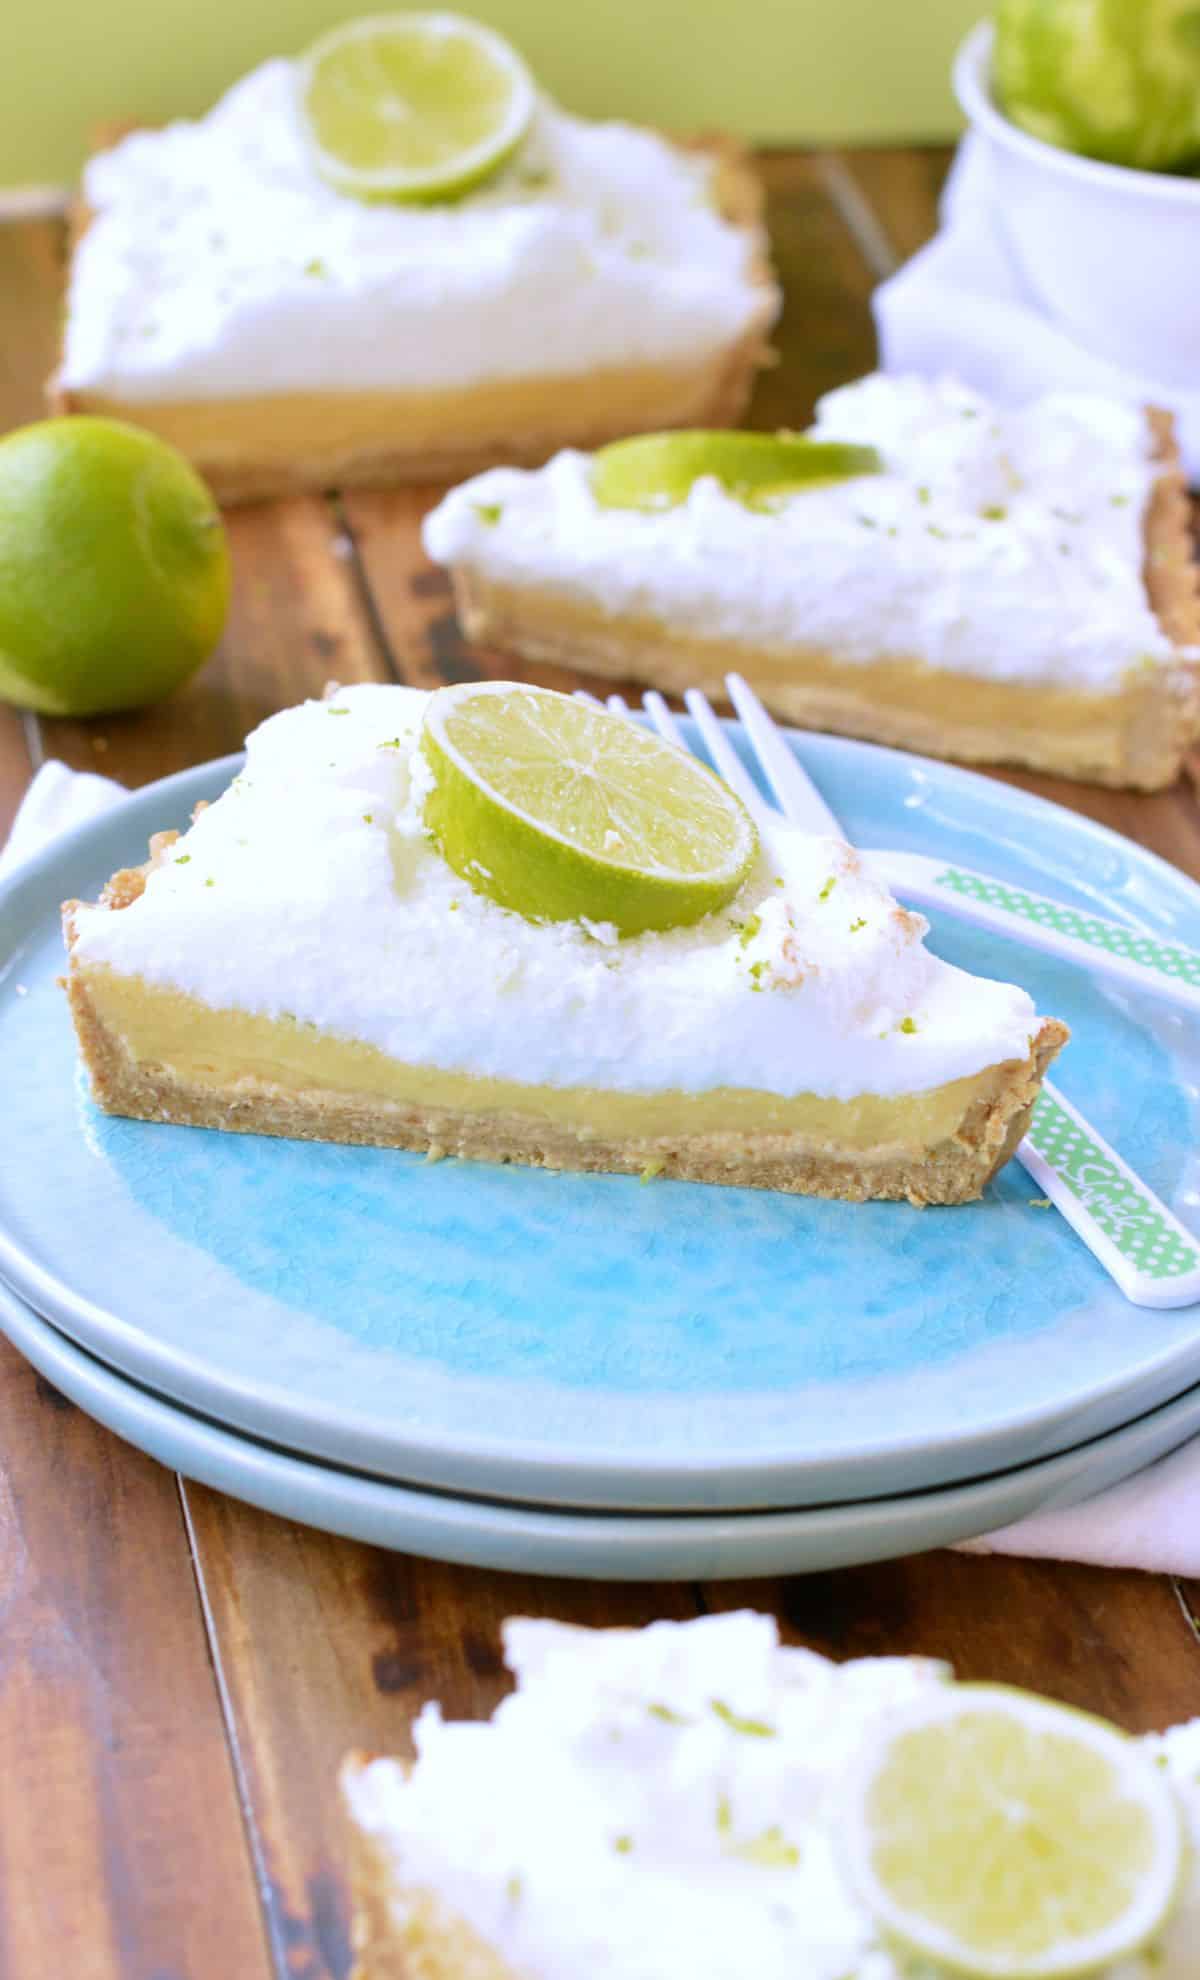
[
  {"x": 899, "y": 191},
  {"x": 825, "y": 335},
  {"x": 16, "y": 766},
  {"x": 31, "y": 255},
  {"x": 122, "y": 1848}
]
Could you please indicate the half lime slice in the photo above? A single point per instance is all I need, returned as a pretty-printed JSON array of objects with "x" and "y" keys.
[
  {"x": 1007, "y": 1838},
  {"x": 563, "y": 812},
  {"x": 413, "y": 106},
  {"x": 658, "y": 470}
]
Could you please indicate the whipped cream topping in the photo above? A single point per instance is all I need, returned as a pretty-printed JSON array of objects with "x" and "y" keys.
[
  {"x": 311, "y": 889},
  {"x": 219, "y": 264},
  {"x": 1004, "y": 544},
  {"x": 625, "y": 1813}
]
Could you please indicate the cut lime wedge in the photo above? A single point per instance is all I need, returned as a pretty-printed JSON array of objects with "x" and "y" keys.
[
  {"x": 413, "y": 106},
  {"x": 1007, "y": 1838},
  {"x": 563, "y": 812},
  {"x": 657, "y": 470}
]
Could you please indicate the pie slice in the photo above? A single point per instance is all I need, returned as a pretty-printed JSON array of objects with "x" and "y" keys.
[
  {"x": 287, "y": 336},
  {"x": 1015, "y": 587},
  {"x": 304, "y": 962},
  {"x": 649, "y": 1804}
]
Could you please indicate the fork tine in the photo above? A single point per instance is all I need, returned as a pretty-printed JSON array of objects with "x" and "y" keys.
[
  {"x": 725, "y": 757},
  {"x": 581, "y": 694},
  {"x": 799, "y": 798},
  {"x": 663, "y": 719},
  {"x": 616, "y": 704}
]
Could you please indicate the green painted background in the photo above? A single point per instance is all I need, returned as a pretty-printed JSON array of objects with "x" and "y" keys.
[{"x": 784, "y": 70}]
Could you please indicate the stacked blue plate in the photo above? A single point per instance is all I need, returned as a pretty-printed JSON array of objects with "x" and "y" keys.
[{"x": 584, "y": 1374}]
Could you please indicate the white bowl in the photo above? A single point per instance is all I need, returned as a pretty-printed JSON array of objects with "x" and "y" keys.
[{"x": 1112, "y": 254}]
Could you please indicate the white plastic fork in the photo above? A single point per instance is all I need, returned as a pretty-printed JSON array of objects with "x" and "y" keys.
[
  {"x": 1152, "y": 1257},
  {"x": 1135, "y": 958}
]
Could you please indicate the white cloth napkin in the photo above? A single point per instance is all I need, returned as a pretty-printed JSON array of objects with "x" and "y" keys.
[
  {"x": 56, "y": 800},
  {"x": 1151, "y": 1521},
  {"x": 961, "y": 306}
]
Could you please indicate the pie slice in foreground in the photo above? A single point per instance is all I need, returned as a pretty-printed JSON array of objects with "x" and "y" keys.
[
  {"x": 1011, "y": 587},
  {"x": 676, "y": 1803},
  {"x": 305, "y": 961}
]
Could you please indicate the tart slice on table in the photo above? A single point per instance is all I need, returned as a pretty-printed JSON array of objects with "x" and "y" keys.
[
  {"x": 499, "y": 923},
  {"x": 921, "y": 569},
  {"x": 393, "y": 259}
]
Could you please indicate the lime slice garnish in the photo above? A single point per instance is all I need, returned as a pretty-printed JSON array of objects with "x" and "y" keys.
[
  {"x": 565, "y": 813},
  {"x": 413, "y": 106},
  {"x": 657, "y": 470},
  {"x": 1008, "y": 1838}
]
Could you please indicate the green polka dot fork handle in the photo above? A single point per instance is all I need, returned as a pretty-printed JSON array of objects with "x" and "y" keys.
[
  {"x": 1152, "y": 1257},
  {"x": 1143, "y": 1246}
]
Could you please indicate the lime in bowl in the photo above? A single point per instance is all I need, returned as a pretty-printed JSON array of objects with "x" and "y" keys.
[{"x": 1108, "y": 250}]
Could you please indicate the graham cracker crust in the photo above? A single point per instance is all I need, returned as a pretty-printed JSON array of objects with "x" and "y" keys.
[{"x": 400, "y": 1933}]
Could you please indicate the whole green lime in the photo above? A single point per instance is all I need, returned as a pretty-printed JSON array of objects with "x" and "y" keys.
[
  {"x": 114, "y": 569},
  {"x": 1113, "y": 79}
]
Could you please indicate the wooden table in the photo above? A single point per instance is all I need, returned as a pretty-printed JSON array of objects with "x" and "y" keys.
[{"x": 179, "y": 1674}]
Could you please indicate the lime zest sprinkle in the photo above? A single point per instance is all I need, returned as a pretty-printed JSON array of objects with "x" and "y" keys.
[
  {"x": 994, "y": 512},
  {"x": 856, "y": 925},
  {"x": 670, "y": 1718},
  {"x": 828, "y": 888},
  {"x": 184, "y": 859},
  {"x": 724, "y": 1815},
  {"x": 316, "y": 268},
  {"x": 907, "y": 1025},
  {"x": 771, "y": 1850},
  {"x": 749, "y": 930},
  {"x": 651, "y": 1170},
  {"x": 623, "y": 1845},
  {"x": 1040, "y": 1203},
  {"x": 368, "y": 817},
  {"x": 210, "y": 882},
  {"x": 752, "y": 1728},
  {"x": 488, "y": 512},
  {"x": 393, "y": 743},
  {"x": 337, "y": 711},
  {"x": 514, "y": 1887}
]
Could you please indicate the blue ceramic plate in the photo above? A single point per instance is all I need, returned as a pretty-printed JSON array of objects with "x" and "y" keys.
[
  {"x": 586, "y": 1340},
  {"x": 630, "y": 1546}
]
